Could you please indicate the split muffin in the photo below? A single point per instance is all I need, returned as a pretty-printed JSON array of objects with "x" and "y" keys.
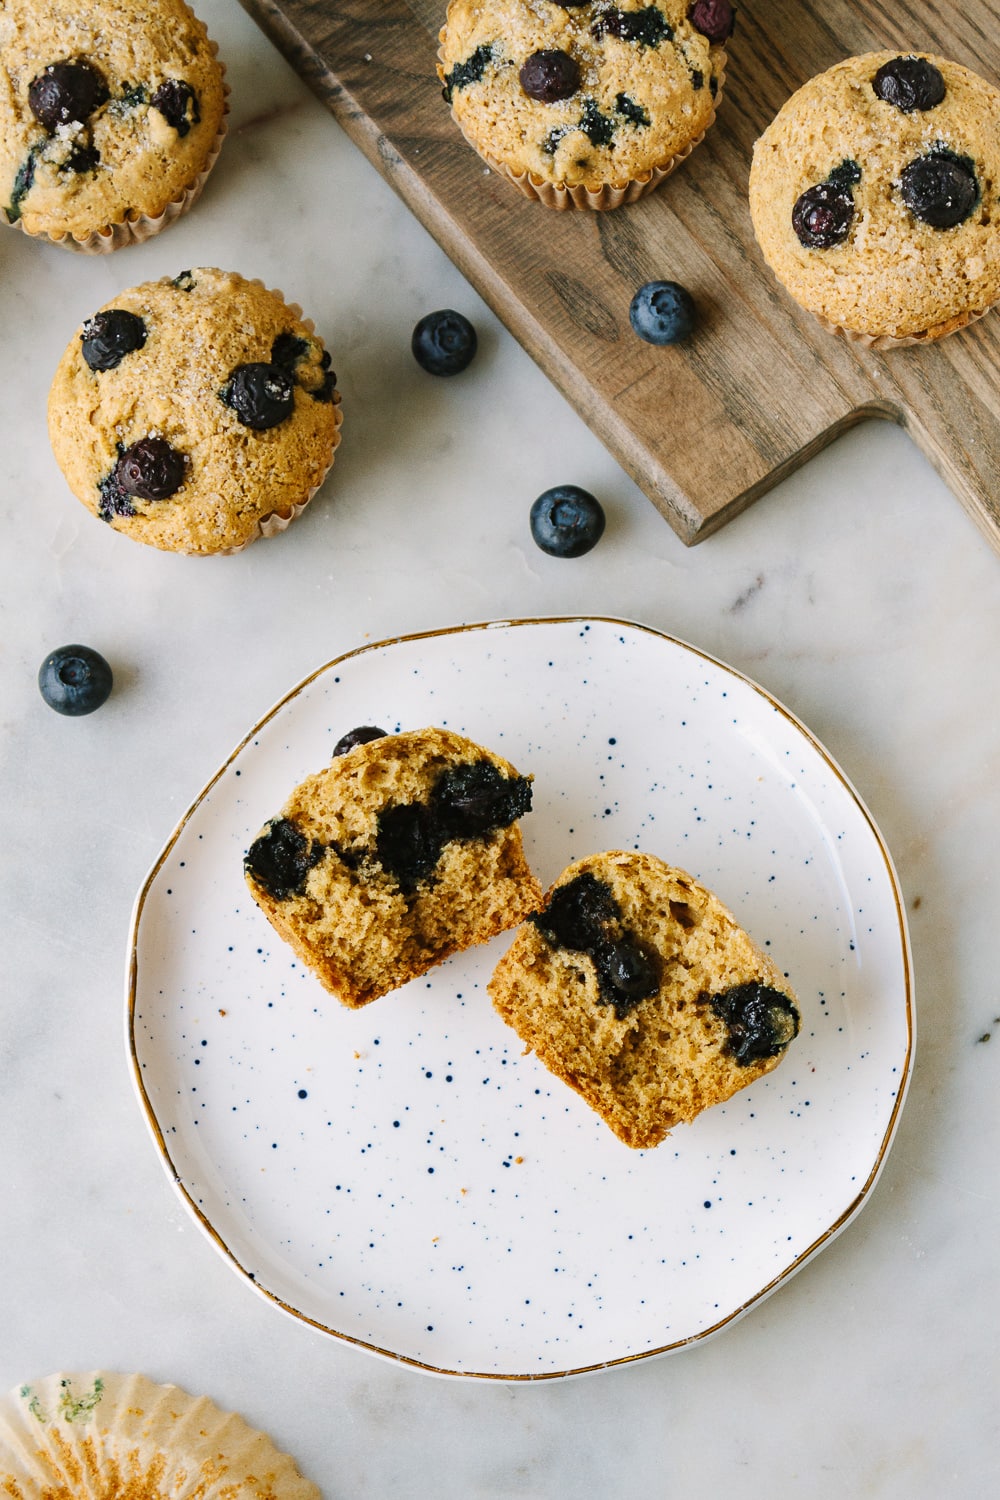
[
  {"x": 404, "y": 850},
  {"x": 638, "y": 988}
]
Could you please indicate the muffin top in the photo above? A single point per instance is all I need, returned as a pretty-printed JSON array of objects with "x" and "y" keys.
[
  {"x": 186, "y": 412},
  {"x": 873, "y": 194},
  {"x": 108, "y": 110},
  {"x": 589, "y": 93}
]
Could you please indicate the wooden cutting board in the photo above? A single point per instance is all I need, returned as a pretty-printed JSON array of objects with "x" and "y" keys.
[{"x": 706, "y": 427}]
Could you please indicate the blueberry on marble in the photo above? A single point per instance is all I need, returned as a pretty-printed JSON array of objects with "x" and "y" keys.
[
  {"x": 362, "y": 735},
  {"x": 567, "y": 521},
  {"x": 280, "y": 859},
  {"x": 260, "y": 393},
  {"x": 66, "y": 93},
  {"x": 75, "y": 680},
  {"x": 760, "y": 1020},
  {"x": 151, "y": 469},
  {"x": 550, "y": 75},
  {"x": 444, "y": 342},
  {"x": 909, "y": 83},
  {"x": 662, "y": 312},
  {"x": 715, "y": 19},
  {"x": 823, "y": 214},
  {"x": 178, "y": 104},
  {"x": 108, "y": 336},
  {"x": 940, "y": 189}
]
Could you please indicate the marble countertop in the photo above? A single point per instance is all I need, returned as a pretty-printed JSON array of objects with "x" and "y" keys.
[{"x": 858, "y": 593}]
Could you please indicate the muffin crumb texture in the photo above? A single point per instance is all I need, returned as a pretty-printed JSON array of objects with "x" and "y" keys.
[
  {"x": 639, "y": 989},
  {"x": 873, "y": 195},
  {"x": 404, "y": 850}
]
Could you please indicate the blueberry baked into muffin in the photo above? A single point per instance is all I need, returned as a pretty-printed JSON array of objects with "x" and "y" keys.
[
  {"x": 585, "y": 105},
  {"x": 873, "y": 194},
  {"x": 404, "y": 850},
  {"x": 112, "y": 113},
  {"x": 195, "y": 413},
  {"x": 638, "y": 988}
]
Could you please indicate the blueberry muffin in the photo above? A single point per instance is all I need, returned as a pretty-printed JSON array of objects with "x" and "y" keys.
[
  {"x": 638, "y": 988},
  {"x": 112, "y": 113},
  {"x": 404, "y": 850},
  {"x": 195, "y": 413},
  {"x": 873, "y": 194},
  {"x": 584, "y": 105}
]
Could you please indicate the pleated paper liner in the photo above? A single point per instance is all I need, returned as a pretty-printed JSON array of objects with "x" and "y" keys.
[
  {"x": 136, "y": 227},
  {"x": 881, "y": 342},
  {"x": 108, "y": 1436},
  {"x": 600, "y": 197}
]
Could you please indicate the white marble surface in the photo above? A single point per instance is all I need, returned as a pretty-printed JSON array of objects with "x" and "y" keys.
[{"x": 858, "y": 593}]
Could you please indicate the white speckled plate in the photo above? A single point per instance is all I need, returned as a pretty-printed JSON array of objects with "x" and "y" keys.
[{"x": 402, "y": 1177}]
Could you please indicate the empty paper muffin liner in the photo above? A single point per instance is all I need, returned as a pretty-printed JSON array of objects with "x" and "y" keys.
[{"x": 101, "y": 1435}]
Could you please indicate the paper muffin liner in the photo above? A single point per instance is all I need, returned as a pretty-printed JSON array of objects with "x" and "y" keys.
[
  {"x": 90, "y": 1436},
  {"x": 134, "y": 230},
  {"x": 883, "y": 341},
  {"x": 276, "y": 521},
  {"x": 564, "y": 195}
]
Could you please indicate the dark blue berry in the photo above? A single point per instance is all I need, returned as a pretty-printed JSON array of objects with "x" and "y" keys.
[
  {"x": 281, "y": 858},
  {"x": 66, "y": 93},
  {"x": 626, "y": 974},
  {"x": 761, "y": 1021},
  {"x": 567, "y": 521},
  {"x": 178, "y": 104},
  {"x": 823, "y": 214},
  {"x": 940, "y": 188},
  {"x": 909, "y": 83},
  {"x": 151, "y": 469},
  {"x": 662, "y": 312},
  {"x": 360, "y": 736},
  {"x": 715, "y": 19},
  {"x": 473, "y": 800},
  {"x": 262, "y": 395},
  {"x": 444, "y": 342},
  {"x": 550, "y": 75},
  {"x": 74, "y": 680},
  {"x": 108, "y": 336}
]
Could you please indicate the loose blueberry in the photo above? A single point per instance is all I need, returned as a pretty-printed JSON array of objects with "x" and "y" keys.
[
  {"x": 941, "y": 188},
  {"x": 550, "y": 75},
  {"x": 362, "y": 735},
  {"x": 150, "y": 469},
  {"x": 66, "y": 93},
  {"x": 567, "y": 521},
  {"x": 823, "y": 214},
  {"x": 662, "y": 312},
  {"x": 444, "y": 342},
  {"x": 108, "y": 336},
  {"x": 178, "y": 104},
  {"x": 262, "y": 395},
  {"x": 715, "y": 19},
  {"x": 74, "y": 680},
  {"x": 909, "y": 83}
]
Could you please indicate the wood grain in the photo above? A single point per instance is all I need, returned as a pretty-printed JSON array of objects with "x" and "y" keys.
[{"x": 707, "y": 427}]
